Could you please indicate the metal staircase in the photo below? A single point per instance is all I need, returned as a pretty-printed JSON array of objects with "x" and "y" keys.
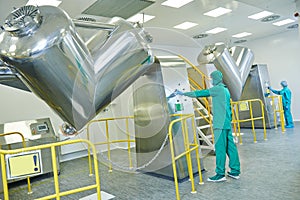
[
  {"x": 204, "y": 130},
  {"x": 202, "y": 108}
]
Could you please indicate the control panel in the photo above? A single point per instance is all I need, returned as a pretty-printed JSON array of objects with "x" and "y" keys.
[{"x": 39, "y": 128}]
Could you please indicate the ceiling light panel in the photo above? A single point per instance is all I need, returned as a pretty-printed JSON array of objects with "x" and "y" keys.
[
  {"x": 44, "y": 2},
  {"x": 243, "y": 34},
  {"x": 283, "y": 22},
  {"x": 185, "y": 25},
  {"x": 141, "y": 18},
  {"x": 217, "y": 12},
  {"x": 216, "y": 30},
  {"x": 176, "y": 3},
  {"x": 260, "y": 15}
]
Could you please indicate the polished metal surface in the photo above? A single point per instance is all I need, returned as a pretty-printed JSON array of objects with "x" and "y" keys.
[
  {"x": 244, "y": 58},
  {"x": 151, "y": 116},
  {"x": 9, "y": 77},
  {"x": 255, "y": 88},
  {"x": 96, "y": 25},
  {"x": 235, "y": 68},
  {"x": 76, "y": 79},
  {"x": 23, "y": 21}
]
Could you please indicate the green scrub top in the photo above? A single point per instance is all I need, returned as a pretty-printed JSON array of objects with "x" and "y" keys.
[
  {"x": 221, "y": 110},
  {"x": 286, "y": 95}
]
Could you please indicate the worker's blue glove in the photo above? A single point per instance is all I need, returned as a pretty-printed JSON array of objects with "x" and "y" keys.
[
  {"x": 171, "y": 95},
  {"x": 267, "y": 94},
  {"x": 178, "y": 92}
]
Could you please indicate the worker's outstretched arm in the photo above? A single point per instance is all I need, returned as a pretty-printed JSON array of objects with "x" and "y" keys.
[{"x": 197, "y": 93}]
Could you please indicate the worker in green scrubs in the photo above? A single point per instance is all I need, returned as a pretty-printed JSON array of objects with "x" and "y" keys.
[{"x": 224, "y": 143}]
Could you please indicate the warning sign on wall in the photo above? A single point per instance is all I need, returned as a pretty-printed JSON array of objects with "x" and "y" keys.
[{"x": 23, "y": 164}]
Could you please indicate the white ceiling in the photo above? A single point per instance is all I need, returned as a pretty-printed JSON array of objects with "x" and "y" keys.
[{"x": 161, "y": 27}]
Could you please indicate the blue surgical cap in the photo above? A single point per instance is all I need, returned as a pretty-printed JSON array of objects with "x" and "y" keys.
[{"x": 284, "y": 83}]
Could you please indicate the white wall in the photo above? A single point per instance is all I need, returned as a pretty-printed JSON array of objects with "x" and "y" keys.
[
  {"x": 281, "y": 54},
  {"x": 19, "y": 105}
]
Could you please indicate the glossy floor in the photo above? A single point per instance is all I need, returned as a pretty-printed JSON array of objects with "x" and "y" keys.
[{"x": 270, "y": 170}]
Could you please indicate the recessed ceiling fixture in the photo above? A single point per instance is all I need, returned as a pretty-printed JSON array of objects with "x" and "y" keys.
[
  {"x": 283, "y": 22},
  {"x": 199, "y": 36},
  {"x": 294, "y": 26},
  {"x": 240, "y": 41},
  {"x": 270, "y": 18},
  {"x": 219, "y": 43},
  {"x": 185, "y": 25},
  {"x": 176, "y": 3},
  {"x": 243, "y": 34},
  {"x": 141, "y": 18},
  {"x": 217, "y": 12},
  {"x": 216, "y": 30},
  {"x": 260, "y": 15},
  {"x": 44, "y": 2}
]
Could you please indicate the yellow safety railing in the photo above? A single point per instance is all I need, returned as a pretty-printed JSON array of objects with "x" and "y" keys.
[
  {"x": 108, "y": 141},
  {"x": 53, "y": 146},
  {"x": 235, "y": 106},
  {"x": 24, "y": 145},
  {"x": 278, "y": 110},
  {"x": 189, "y": 147},
  {"x": 195, "y": 86},
  {"x": 203, "y": 76}
]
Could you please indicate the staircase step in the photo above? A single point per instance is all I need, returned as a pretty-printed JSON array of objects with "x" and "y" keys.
[
  {"x": 203, "y": 127},
  {"x": 202, "y": 117},
  {"x": 207, "y": 136}
]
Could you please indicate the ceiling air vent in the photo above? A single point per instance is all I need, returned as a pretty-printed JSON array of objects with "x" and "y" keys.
[
  {"x": 240, "y": 41},
  {"x": 120, "y": 8},
  {"x": 270, "y": 18},
  {"x": 199, "y": 36}
]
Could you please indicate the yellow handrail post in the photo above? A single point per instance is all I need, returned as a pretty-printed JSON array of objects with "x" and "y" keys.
[
  {"x": 89, "y": 151},
  {"x": 274, "y": 113},
  {"x": 252, "y": 123},
  {"x": 97, "y": 177},
  {"x": 263, "y": 119},
  {"x": 108, "y": 145},
  {"x": 281, "y": 114},
  {"x": 188, "y": 155},
  {"x": 279, "y": 110},
  {"x": 173, "y": 160},
  {"x": 238, "y": 124},
  {"x": 55, "y": 173},
  {"x": 197, "y": 151},
  {"x": 4, "y": 178},
  {"x": 128, "y": 143}
]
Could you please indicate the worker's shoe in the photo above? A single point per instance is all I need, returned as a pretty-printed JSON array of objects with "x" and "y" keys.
[
  {"x": 217, "y": 178},
  {"x": 289, "y": 126},
  {"x": 233, "y": 175}
]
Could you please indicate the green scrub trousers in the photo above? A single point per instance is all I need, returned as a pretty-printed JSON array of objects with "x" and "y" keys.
[{"x": 224, "y": 144}]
